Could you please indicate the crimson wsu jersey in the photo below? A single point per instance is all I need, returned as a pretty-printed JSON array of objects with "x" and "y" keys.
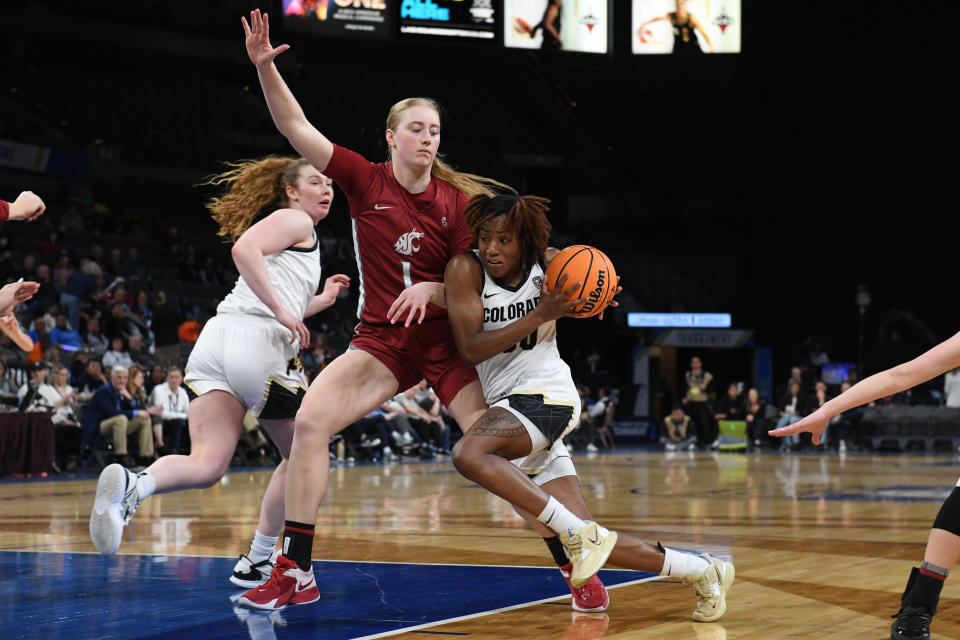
[{"x": 399, "y": 238}]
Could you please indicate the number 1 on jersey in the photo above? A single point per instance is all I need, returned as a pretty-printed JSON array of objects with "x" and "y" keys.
[{"x": 407, "y": 280}]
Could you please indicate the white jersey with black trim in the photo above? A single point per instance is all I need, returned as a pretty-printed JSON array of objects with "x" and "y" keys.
[
  {"x": 533, "y": 365},
  {"x": 294, "y": 273}
]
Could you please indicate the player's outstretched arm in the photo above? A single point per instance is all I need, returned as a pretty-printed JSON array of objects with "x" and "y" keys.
[
  {"x": 331, "y": 289},
  {"x": 935, "y": 362},
  {"x": 284, "y": 108}
]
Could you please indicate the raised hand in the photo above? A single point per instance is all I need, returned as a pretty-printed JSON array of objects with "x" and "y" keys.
[
  {"x": 814, "y": 424},
  {"x": 259, "y": 49},
  {"x": 335, "y": 284}
]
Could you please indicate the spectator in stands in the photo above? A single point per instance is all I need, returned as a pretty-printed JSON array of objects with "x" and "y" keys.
[
  {"x": 62, "y": 271},
  {"x": 791, "y": 408},
  {"x": 596, "y": 414},
  {"x": 696, "y": 402},
  {"x": 93, "y": 379},
  {"x": 951, "y": 387},
  {"x": 137, "y": 354},
  {"x": 142, "y": 315},
  {"x": 817, "y": 398},
  {"x": 678, "y": 431},
  {"x": 174, "y": 403},
  {"x": 65, "y": 405},
  {"x": 107, "y": 416},
  {"x": 796, "y": 375},
  {"x": 64, "y": 336},
  {"x": 401, "y": 429},
  {"x": 117, "y": 323},
  {"x": 157, "y": 376},
  {"x": 432, "y": 428},
  {"x": 42, "y": 395},
  {"x": 136, "y": 396},
  {"x": 117, "y": 355},
  {"x": 188, "y": 309},
  {"x": 189, "y": 333},
  {"x": 756, "y": 410},
  {"x": 96, "y": 342},
  {"x": 80, "y": 291},
  {"x": 7, "y": 386},
  {"x": 731, "y": 406},
  {"x": 50, "y": 313},
  {"x": 11, "y": 353}
]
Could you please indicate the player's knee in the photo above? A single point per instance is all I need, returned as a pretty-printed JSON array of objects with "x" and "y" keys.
[
  {"x": 463, "y": 457},
  {"x": 948, "y": 518}
]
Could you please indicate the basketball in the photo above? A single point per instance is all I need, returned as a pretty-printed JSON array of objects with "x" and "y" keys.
[{"x": 589, "y": 266}]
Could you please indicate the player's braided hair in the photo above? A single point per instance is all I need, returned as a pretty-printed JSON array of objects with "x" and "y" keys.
[
  {"x": 526, "y": 219},
  {"x": 466, "y": 183},
  {"x": 251, "y": 185}
]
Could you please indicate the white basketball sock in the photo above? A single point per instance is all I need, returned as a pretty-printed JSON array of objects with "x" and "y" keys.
[
  {"x": 146, "y": 485},
  {"x": 262, "y": 546},
  {"x": 679, "y": 564},
  {"x": 558, "y": 517}
]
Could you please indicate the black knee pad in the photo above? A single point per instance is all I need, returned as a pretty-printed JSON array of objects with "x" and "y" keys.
[{"x": 948, "y": 518}]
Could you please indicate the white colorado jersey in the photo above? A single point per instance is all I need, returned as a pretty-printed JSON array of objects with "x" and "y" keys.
[
  {"x": 533, "y": 365},
  {"x": 295, "y": 274}
]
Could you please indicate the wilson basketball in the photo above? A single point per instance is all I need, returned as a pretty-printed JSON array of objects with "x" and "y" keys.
[{"x": 589, "y": 266}]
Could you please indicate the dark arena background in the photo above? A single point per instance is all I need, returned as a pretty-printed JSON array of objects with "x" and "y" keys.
[{"x": 785, "y": 202}]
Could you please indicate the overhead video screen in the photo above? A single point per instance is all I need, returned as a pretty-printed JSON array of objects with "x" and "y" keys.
[
  {"x": 691, "y": 27},
  {"x": 473, "y": 20},
  {"x": 562, "y": 25},
  {"x": 362, "y": 18}
]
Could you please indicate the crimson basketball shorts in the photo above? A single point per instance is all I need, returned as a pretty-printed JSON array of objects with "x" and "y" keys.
[{"x": 419, "y": 351}]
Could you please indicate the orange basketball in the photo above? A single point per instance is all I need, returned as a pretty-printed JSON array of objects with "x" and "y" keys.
[{"x": 589, "y": 266}]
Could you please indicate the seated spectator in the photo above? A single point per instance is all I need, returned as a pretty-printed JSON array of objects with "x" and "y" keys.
[
  {"x": 756, "y": 409},
  {"x": 64, "y": 337},
  {"x": 165, "y": 323},
  {"x": 37, "y": 394},
  {"x": 136, "y": 397},
  {"x": 137, "y": 354},
  {"x": 7, "y": 386},
  {"x": 65, "y": 403},
  {"x": 97, "y": 343},
  {"x": 678, "y": 431},
  {"x": 107, "y": 416},
  {"x": 50, "y": 316},
  {"x": 731, "y": 406},
  {"x": 117, "y": 355},
  {"x": 401, "y": 429},
  {"x": 157, "y": 376},
  {"x": 188, "y": 333},
  {"x": 369, "y": 438},
  {"x": 66, "y": 427},
  {"x": 11, "y": 354},
  {"x": 172, "y": 398},
  {"x": 80, "y": 291},
  {"x": 117, "y": 323},
  {"x": 93, "y": 379},
  {"x": 791, "y": 409}
]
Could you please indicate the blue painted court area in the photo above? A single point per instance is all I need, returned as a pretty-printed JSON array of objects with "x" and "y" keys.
[
  {"x": 67, "y": 595},
  {"x": 896, "y": 493}
]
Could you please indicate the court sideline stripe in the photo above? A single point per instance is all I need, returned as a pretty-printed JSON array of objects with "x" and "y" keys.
[{"x": 490, "y": 612}]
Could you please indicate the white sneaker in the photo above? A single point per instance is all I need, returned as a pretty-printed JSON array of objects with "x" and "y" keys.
[
  {"x": 670, "y": 446},
  {"x": 407, "y": 438},
  {"x": 842, "y": 447},
  {"x": 588, "y": 550},
  {"x": 115, "y": 504},
  {"x": 712, "y": 587},
  {"x": 592, "y": 448},
  {"x": 250, "y": 574},
  {"x": 388, "y": 454}
]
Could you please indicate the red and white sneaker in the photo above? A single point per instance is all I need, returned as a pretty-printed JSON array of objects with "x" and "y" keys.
[
  {"x": 590, "y": 597},
  {"x": 288, "y": 584}
]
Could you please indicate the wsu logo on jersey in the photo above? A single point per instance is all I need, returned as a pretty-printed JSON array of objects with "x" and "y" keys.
[{"x": 405, "y": 244}]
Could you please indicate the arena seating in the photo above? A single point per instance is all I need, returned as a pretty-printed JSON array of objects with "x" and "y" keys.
[{"x": 906, "y": 426}]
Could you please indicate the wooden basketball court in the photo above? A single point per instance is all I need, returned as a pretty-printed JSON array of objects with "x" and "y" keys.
[{"x": 822, "y": 545}]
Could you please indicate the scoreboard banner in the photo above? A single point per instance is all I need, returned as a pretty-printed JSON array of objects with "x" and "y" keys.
[
  {"x": 474, "y": 20},
  {"x": 362, "y": 18}
]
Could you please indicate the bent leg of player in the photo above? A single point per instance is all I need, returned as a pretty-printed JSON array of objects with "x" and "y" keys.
[
  {"x": 559, "y": 479},
  {"x": 254, "y": 567},
  {"x": 214, "y": 431},
  {"x": 349, "y": 388},
  {"x": 920, "y": 598},
  {"x": 505, "y": 433}
]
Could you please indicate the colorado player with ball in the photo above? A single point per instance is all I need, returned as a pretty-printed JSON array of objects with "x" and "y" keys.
[{"x": 503, "y": 300}]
